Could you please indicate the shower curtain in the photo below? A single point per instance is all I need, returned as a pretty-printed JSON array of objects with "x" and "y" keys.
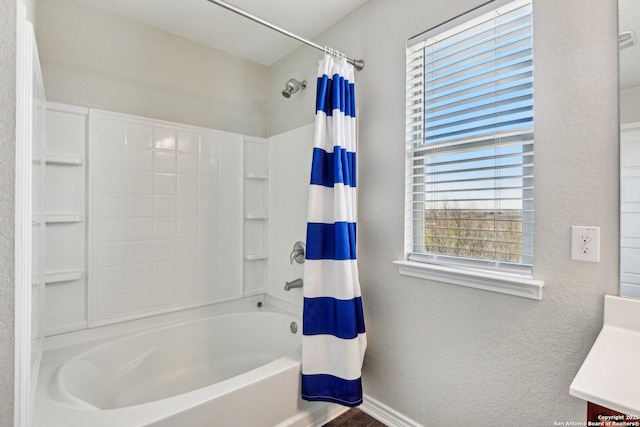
[{"x": 334, "y": 338}]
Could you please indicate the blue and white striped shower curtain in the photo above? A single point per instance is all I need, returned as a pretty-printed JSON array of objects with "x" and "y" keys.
[{"x": 334, "y": 338}]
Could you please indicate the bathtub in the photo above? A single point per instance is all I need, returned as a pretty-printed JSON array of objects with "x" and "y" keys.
[{"x": 240, "y": 368}]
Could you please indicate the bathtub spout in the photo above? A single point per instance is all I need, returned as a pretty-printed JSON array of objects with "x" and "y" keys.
[{"x": 295, "y": 284}]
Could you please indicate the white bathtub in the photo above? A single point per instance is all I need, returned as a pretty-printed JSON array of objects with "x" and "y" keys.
[{"x": 234, "y": 369}]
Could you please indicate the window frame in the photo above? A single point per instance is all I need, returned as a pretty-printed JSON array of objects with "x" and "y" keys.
[{"x": 498, "y": 276}]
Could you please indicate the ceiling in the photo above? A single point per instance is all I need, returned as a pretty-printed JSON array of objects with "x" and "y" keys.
[
  {"x": 206, "y": 23},
  {"x": 629, "y": 19}
]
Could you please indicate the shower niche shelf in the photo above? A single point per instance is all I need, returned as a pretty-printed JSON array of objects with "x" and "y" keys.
[
  {"x": 63, "y": 276},
  {"x": 51, "y": 159},
  {"x": 256, "y": 257},
  {"x": 260, "y": 177},
  {"x": 256, "y": 216},
  {"x": 70, "y": 218}
]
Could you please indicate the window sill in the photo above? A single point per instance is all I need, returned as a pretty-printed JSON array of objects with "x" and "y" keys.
[{"x": 495, "y": 282}]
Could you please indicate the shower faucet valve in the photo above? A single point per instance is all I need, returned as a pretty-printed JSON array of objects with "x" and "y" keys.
[{"x": 297, "y": 253}]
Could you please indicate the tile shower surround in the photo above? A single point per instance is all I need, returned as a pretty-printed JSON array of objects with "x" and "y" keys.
[{"x": 166, "y": 210}]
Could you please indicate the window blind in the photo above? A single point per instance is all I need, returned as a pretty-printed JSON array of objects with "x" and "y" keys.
[{"x": 469, "y": 140}]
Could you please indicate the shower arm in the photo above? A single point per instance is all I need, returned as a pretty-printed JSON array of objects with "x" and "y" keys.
[{"x": 358, "y": 64}]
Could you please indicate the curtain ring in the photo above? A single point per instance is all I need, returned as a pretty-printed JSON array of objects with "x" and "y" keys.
[{"x": 328, "y": 51}]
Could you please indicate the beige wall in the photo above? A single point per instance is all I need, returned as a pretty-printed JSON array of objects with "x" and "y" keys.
[
  {"x": 96, "y": 59},
  {"x": 449, "y": 355}
]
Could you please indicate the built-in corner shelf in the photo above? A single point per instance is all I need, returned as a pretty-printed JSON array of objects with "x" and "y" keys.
[
  {"x": 51, "y": 159},
  {"x": 64, "y": 218},
  {"x": 63, "y": 276},
  {"x": 256, "y": 216},
  {"x": 256, "y": 157}
]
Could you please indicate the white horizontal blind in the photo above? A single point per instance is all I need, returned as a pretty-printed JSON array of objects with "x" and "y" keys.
[{"x": 470, "y": 140}]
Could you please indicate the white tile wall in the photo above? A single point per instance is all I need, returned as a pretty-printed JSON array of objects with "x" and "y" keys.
[{"x": 165, "y": 217}]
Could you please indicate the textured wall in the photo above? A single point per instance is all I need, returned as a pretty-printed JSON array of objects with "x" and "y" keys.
[
  {"x": 7, "y": 181},
  {"x": 96, "y": 59},
  {"x": 448, "y": 355}
]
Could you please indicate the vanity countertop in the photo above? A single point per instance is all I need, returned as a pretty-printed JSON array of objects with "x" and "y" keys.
[{"x": 610, "y": 375}]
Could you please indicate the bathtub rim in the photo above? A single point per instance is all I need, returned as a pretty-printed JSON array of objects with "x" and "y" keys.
[{"x": 61, "y": 347}]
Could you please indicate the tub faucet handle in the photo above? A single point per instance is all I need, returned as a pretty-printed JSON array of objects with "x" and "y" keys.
[{"x": 297, "y": 253}]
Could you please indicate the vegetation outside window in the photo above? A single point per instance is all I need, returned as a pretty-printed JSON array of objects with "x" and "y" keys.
[{"x": 469, "y": 141}]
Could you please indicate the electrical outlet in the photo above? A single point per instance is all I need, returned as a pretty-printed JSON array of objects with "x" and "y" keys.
[{"x": 585, "y": 243}]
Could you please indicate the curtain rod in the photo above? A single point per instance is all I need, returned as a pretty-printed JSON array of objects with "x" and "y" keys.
[{"x": 358, "y": 64}]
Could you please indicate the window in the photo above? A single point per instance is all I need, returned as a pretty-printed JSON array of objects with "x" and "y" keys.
[{"x": 469, "y": 141}]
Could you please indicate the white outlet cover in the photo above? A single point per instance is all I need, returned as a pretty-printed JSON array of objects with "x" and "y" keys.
[{"x": 585, "y": 243}]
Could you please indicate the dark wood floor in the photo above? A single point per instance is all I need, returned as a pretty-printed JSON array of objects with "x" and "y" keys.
[{"x": 354, "y": 418}]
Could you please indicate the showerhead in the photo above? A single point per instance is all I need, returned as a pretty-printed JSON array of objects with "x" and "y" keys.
[
  {"x": 292, "y": 86},
  {"x": 626, "y": 39}
]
